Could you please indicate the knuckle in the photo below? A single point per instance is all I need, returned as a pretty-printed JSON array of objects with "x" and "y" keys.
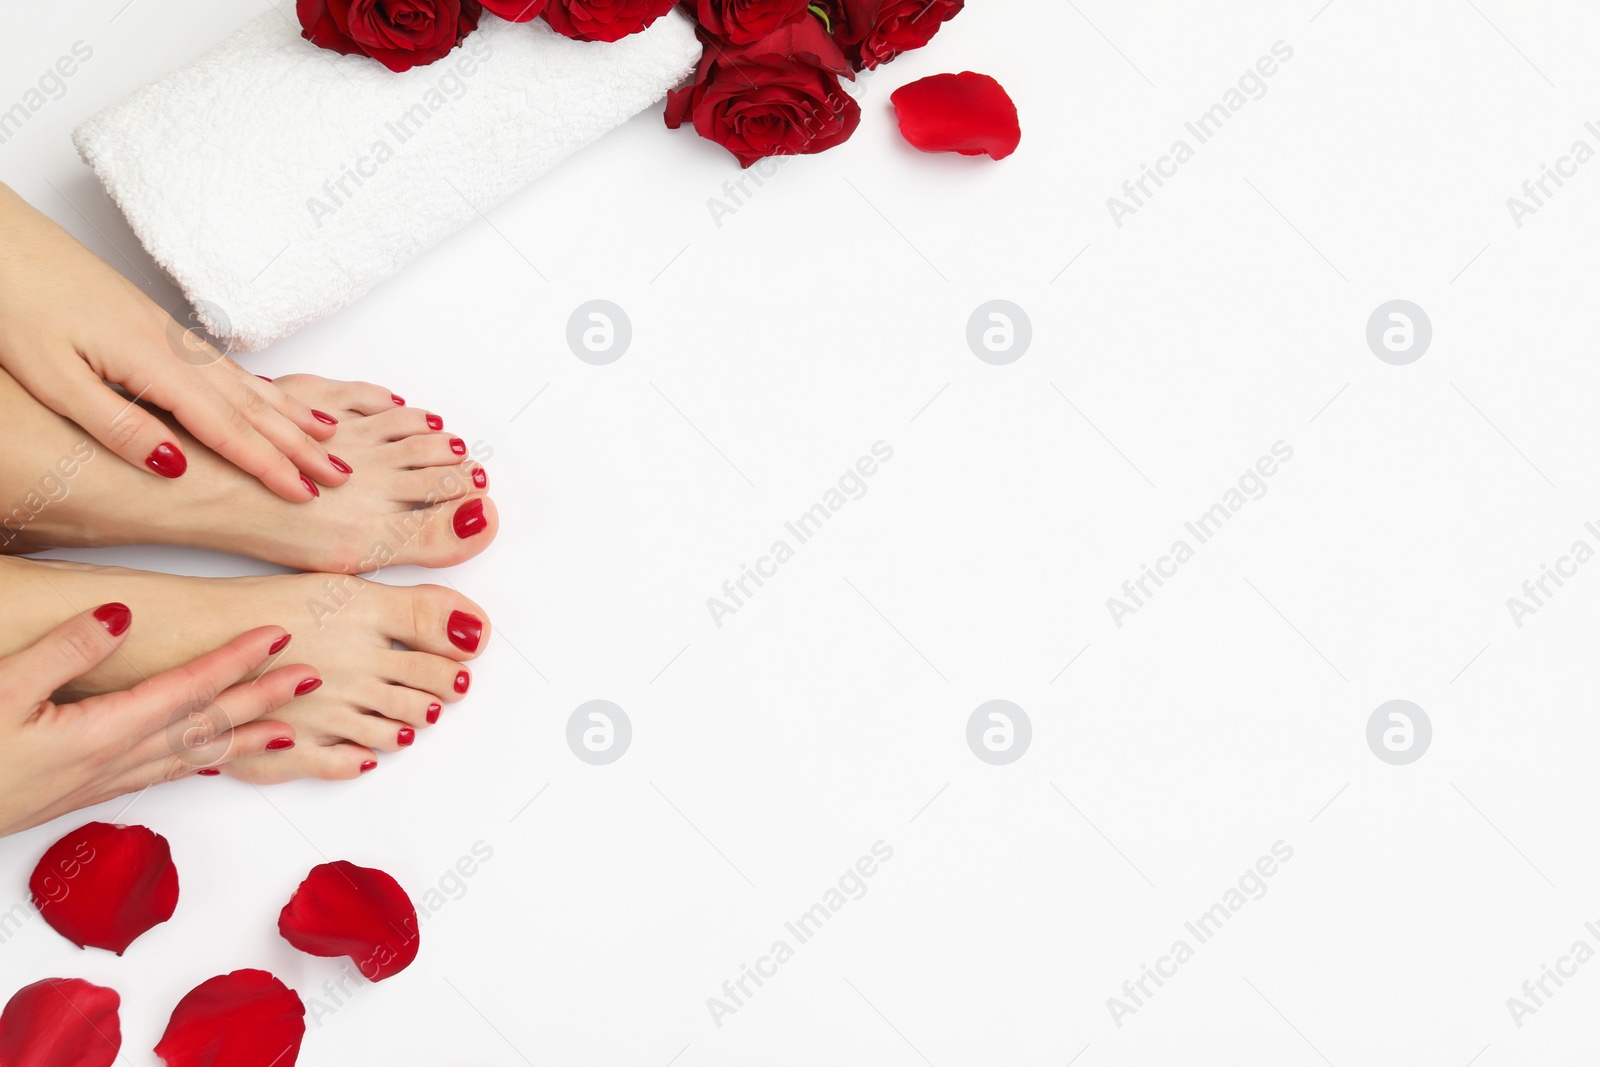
[{"x": 82, "y": 646}]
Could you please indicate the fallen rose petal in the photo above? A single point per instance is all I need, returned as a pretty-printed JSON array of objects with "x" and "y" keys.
[
  {"x": 967, "y": 113},
  {"x": 345, "y": 910},
  {"x": 243, "y": 1019},
  {"x": 61, "y": 1022},
  {"x": 104, "y": 885}
]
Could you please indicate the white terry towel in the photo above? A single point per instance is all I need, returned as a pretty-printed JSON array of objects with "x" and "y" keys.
[{"x": 277, "y": 181}]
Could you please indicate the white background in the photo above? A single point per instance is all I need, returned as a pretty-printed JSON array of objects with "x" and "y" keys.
[{"x": 829, "y": 313}]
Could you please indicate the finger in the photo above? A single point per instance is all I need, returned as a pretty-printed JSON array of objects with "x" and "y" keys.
[
  {"x": 226, "y": 428},
  {"x": 171, "y": 696},
  {"x": 117, "y": 422},
  {"x": 194, "y": 730},
  {"x": 265, "y": 406},
  {"x": 69, "y": 651},
  {"x": 317, "y": 424},
  {"x": 251, "y": 739}
]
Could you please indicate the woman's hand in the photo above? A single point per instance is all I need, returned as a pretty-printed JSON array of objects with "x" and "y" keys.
[
  {"x": 56, "y": 758},
  {"x": 69, "y": 324}
]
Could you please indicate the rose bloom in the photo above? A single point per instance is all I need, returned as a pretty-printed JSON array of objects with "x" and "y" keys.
[
  {"x": 604, "y": 20},
  {"x": 747, "y": 21},
  {"x": 400, "y": 34},
  {"x": 777, "y": 96},
  {"x": 872, "y": 32}
]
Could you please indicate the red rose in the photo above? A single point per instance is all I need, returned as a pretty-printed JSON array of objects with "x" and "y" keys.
[
  {"x": 515, "y": 10},
  {"x": 873, "y": 32},
  {"x": 777, "y": 97},
  {"x": 400, "y": 34},
  {"x": 603, "y": 20},
  {"x": 747, "y": 21}
]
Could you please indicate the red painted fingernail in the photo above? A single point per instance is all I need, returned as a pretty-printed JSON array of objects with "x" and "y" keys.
[
  {"x": 433, "y": 713},
  {"x": 368, "y": 765},
  {"x": 167, "y": 460},
  {"x": 309, "y": 484},
  {"x": 466, "y": 631},
  {"x": 463, "y": 680},
  {"x": 114, "y": 617},
  {"x": 264, "y": 378},
  {"x": 405, "y": 736},
  {"x": 278, "y": 744},
  {"x": 469, "y": 519},
  {"x": 338, "y": 464},
  {"x": 480, "y": 478},
  {"x": 310, "y": 685},
  {"x": 458, "y": 446},
  {"x": 324, "y": 417},
  {"x": 280, "y": 644},
  {"x": 398, "y": 399},
  {"x": 208, "y": 771},
  {"x": 435, "y": 422}
]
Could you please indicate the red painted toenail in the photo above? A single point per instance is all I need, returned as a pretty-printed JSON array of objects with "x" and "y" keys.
[
  {"x": 398, "y": 399},
  {"x": 433, "y": 713},
  {"x": 435, "y": 423},
  {"x": 310, "y": 685},
  {"x": 463, "y": 680},
  {"x": 405, "y": 736},
  {"x": 310, "y": 485},
  {"x": 480, "y": 478},
  {"x": 368, "y": 765},
  {"x": 264, "y": 378},
  {"x": 466, "y": 631},
  {"x": 114, "y": 617},
  {"x": 469, "y": 519},
  {"x": 324, "y": 417},
  {"x": 338, "y": 464},
  {"x": 167, "y": 460},
  {"x": 278, "y": 744},
  {"x": 208, "y": 771},
  {"x": 458, "y": 446},
  {"x": 280, "y": 644}
]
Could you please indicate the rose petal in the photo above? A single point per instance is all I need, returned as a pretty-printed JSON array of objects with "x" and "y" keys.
[
  {"x": 515, "y": 10},
  {"x": 604, "y": 20},
  {"x": 345, "y": 910},
  {"x": 243, "y": 1019},
  {"x": 967, "y": 113},
  {"x": 104, "y": 885},
  {"x": 61, "y": 1022}
]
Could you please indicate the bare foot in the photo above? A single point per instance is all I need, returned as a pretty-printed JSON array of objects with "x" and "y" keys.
[{"x": 374, "y": 698}]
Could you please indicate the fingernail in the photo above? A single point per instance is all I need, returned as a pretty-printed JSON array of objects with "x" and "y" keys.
[
  {"x": 435, "y": 422},
  {"x": 264, "y": 378},
  {"x": 466, "y": 631},
  {"x": 368, "y": 765},
  {"x": 208, "y": 771},
  {"x": 310, "y": 685},
  {"x": 280, "y": 644},
  {"x": 324, "y": 417},
  {"x": 310, "y": 485},
  {"x": 463, "y": 680},
  {"x": 338, "y": 464},
  {"x": 405, "y": 736},
  {"x": 469, "y": 519},
  {"x": 480, "y": 478},
  {"x": 398, "y": 399},
  {"x": 458, "y": 446},
  {"x": 114, "y": 617},
  {"x": 433, "y": 713},
  {"x": 278, "y": 744},
  {"x": 167, "y": 460}
]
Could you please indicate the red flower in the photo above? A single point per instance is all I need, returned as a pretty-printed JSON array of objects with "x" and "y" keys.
[
  {"x": 516, "y": 10},
  {"x": 603, "y": 20},
  {"x": 61, "y": 1022},
  {"x": 747, "y": 21},
  {"x": 400, "y": 34},
  {"x": 872, "y": 32},
  {"x": 778, "y": 96},
  {"x": 345, "y": 910},
  {"x": 104, "y": 885},
  {"x": 243, "y": 1019},
  {"x": 967, "y": 113}
]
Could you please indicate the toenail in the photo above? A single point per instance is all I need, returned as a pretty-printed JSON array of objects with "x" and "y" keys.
[
  {"x": 435, "y": 422},
  {"x": 405, "y": 736},
  {"x": 433, "y": 713},
  {"x": 310, "y": 685},
  {"x": 324, "y": 418},
  {"x": 368, "y": 765},
  {"x": 469, "y": 519},
  {"x": 278, "y": 744},
  {"x": 463, "y": 680},
  {"x": 466, "y": 631},
  {"x": 402, "y": 402},
  {"x": 338, "y": 464},
  {"x": 114, "y": 617},
  {"x": 480, "y": 478},
  {"x": 208, "y": 771},
  {"x": 167, "y": 460},
  {"x": 310, "y": 485},
  {"x": 458, "y": 446},
  {"x": 280, "y": 644}
]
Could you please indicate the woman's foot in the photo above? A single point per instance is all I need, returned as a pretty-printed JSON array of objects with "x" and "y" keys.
[
  {"x": 374, "y": 698},
  {"x": 413, "y": 495}
]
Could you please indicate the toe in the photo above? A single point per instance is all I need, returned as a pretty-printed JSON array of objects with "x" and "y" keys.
[
  {"x": 426, "y": 450},
  {"x": 334, "y": 763},
  {"x": 446, "y": 531},
  {"x": 438, "y": 483},
  {"x": 337, "y": 398},
  {"x": 433, "y": 619},
  {"x": 378, "y": 733},
  {"x": 397, "y": 424},
  {"x": 442, "y": 680},
  {"x": 403, "y": 704}
]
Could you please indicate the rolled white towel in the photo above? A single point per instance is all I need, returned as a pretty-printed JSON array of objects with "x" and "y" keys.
[{"x": 277, "y": 182}]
